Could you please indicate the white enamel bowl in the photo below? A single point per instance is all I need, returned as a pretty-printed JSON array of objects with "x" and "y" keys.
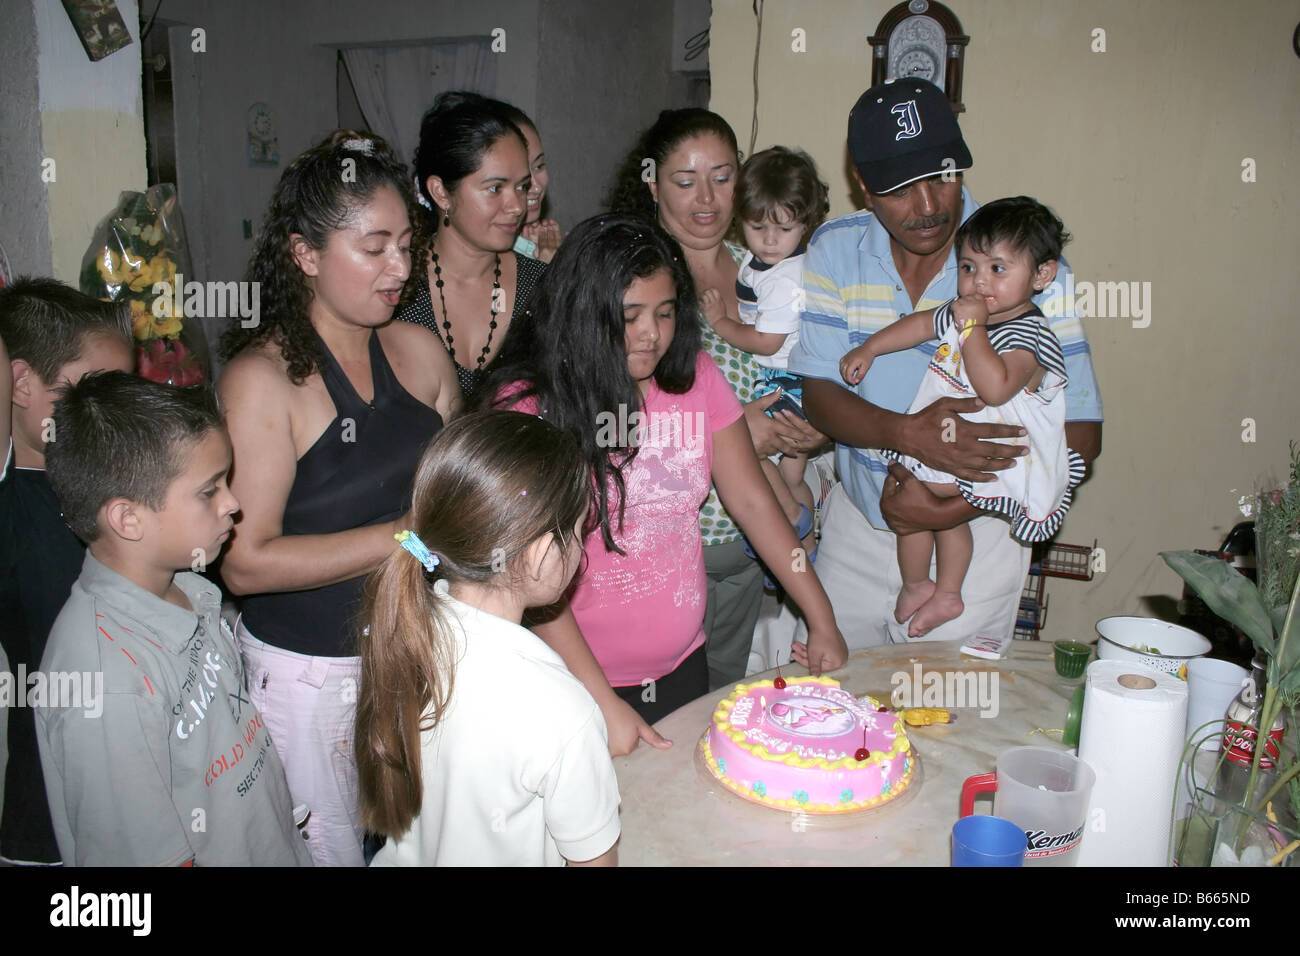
[{"x": 1168, "y": 646}]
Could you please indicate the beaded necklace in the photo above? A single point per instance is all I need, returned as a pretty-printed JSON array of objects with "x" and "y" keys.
[{"x": 446, "y": 319}]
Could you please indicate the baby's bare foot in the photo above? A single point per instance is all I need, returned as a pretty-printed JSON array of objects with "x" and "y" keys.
[
  {"x": 910, "y": 599},
  {"x": 943, "y": 607}
]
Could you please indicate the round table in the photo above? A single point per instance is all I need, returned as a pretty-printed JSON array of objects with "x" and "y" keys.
[{"x": 675, "y": 814}]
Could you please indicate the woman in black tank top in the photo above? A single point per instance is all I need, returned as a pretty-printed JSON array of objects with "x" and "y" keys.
[
  {"x": 329, "y": 406},
  {"x": 471, "y": 169}
]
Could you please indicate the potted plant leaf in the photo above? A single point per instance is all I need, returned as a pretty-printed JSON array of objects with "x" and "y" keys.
[{"x": 1267, "y": 614}]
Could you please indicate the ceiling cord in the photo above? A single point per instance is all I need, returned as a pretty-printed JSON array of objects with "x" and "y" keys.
[{"x": 758, "y": 40}]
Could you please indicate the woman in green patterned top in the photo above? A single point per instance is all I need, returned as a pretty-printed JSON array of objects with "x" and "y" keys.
[{"x": 682, "y": 174}]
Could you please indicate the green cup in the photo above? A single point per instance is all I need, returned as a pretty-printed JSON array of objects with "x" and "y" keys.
[
  {"x": 1071, "y": 658},
  {"x": 1073, "y": 719}
]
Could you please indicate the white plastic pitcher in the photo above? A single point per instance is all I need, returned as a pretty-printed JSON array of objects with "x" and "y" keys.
[{"x": 1046, "y": 793}]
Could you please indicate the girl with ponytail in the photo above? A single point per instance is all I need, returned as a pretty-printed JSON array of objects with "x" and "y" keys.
[{"x": 474, "y": 743}]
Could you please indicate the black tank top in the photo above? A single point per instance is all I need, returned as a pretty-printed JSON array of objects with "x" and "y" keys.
[{"x": 358, "y": 473}]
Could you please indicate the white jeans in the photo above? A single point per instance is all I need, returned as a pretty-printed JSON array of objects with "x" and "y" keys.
[
  {"x": 309, "y": 705},
  {"x": 858, "y": 566}
]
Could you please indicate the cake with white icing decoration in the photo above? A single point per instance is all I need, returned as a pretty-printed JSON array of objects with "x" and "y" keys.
[{"x": 809, "y": 746}]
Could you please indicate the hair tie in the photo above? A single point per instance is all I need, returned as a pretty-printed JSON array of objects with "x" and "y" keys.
[
  {"x": 412, "y": 543},
  {"x": 420, "y": 196}
]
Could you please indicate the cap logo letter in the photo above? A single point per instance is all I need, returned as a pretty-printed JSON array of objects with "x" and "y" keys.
[{"x": 909, "y": 120}]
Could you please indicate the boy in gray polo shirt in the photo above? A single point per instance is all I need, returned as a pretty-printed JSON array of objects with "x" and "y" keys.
[{"x": 171, "y": 765}]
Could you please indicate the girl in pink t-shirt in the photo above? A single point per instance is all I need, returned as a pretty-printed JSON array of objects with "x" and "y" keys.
[{"x": 611, "y": 353}]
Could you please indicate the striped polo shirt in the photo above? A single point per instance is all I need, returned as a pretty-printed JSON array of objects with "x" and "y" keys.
[{"x": 853, "y": 290}]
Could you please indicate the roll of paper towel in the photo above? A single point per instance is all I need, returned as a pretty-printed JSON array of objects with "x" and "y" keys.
[{"x": 1132, "y": 736}]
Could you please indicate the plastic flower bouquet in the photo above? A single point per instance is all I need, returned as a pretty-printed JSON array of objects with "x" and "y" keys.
[{"x": 137, "y": 256}]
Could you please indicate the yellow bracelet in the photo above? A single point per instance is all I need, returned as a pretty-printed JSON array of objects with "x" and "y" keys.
[{"x": 966, "y": 331}]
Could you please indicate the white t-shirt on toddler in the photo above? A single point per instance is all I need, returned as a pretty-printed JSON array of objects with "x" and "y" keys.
[{"x": 777, "y": 303}]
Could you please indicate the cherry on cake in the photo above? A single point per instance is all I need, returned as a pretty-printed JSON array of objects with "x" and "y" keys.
[{"x": 809, "y": 746}]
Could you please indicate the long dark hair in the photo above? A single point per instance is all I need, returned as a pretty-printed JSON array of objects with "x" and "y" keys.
[
  {"x": 570, "y": 349},
  {"x": 314, "y": 199},
  {"x": 454, "y": 134},
  {"x": 631, "y": 192},
  {"x": 487, "y": 487}
]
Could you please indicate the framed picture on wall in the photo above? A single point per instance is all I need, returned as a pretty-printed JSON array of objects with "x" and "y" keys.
[{"x": 99, "y": 25}]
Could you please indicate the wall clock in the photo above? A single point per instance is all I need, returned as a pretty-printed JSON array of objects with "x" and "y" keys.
[
  {"x": 919, "y": 39},
  {"x": 263, "y": 147}
]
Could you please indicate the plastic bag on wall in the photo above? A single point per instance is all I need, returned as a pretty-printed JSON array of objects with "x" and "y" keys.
[{"x": 139, "y": 255}]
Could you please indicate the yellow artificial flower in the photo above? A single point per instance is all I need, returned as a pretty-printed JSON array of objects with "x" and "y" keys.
[
  {"x": 162, "y": 323},
  {"x": 164, "y": 270},
  {"x": 141, "y": 321},
  {"x": 111, "y": 267},
  {"x": 167, "y": 327},
  {"x": 137, "y": 276},
  {"x": 141, "y": 279}
]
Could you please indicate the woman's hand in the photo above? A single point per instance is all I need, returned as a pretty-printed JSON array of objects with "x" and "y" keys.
[
  {"x": 825, "y": 651},
  {"x": 627, "y": 729},
  {"x": 786, "y": 434},
  {"x": 546, "y": 234}
]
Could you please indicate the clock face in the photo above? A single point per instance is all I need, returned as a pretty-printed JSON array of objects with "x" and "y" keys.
[
  {"x": 261, "y": 124},
  {"x": 918, "y": 50},
  {"x": 919, "y": 63}
]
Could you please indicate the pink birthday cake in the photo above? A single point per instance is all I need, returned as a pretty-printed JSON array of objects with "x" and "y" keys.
[{"x": 808, "y": 746}]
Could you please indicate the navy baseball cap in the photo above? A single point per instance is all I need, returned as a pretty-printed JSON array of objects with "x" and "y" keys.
[{"x": 902, "y": 131}]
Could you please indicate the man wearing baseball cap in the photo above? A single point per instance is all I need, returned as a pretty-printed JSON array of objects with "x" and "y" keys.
[{"x": 863, "y": 271}]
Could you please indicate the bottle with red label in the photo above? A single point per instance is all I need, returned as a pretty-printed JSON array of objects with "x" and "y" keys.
[{"x": 1240, "y": 739}]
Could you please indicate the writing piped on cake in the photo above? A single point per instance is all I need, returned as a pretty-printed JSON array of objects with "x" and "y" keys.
[{"x": 793, "y": 747}]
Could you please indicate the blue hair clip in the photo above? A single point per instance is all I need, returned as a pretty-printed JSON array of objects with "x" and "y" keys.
[{"x": 412, "y": 543}]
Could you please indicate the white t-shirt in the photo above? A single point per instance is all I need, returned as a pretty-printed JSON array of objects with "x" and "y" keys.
[
  {"x": 518, "y": 772},
  {"x": 779, "y": 296}
]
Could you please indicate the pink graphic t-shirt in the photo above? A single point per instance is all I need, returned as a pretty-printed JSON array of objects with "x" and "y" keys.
[{"x": 642, "y": 613}]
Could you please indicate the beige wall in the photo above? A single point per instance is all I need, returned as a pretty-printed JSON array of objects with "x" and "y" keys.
[{"x": 1140, "y": 150}]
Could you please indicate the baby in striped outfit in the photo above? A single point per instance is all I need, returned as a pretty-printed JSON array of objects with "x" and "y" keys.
[{"x": 995, "y": 345}]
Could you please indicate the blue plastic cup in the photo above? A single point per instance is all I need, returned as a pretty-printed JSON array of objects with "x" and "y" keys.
[{"x": 987, "y": 841}]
